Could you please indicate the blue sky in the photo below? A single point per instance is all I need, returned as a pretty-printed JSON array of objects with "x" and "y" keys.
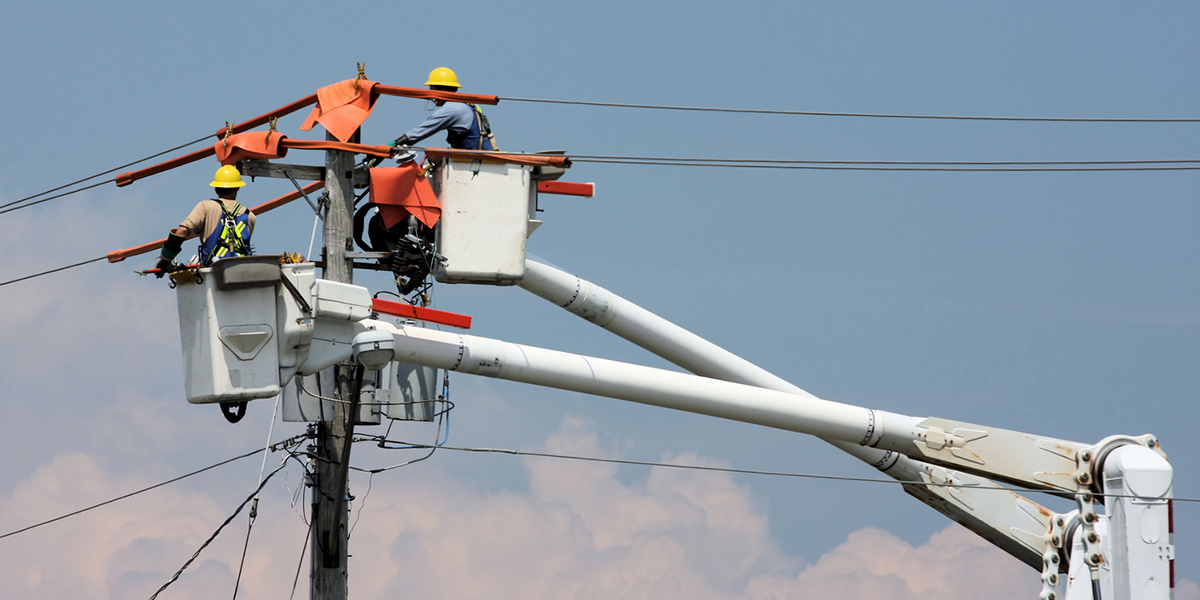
[{"x": 1062, "y": 304}]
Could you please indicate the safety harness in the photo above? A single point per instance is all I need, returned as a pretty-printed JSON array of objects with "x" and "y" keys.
[
  {"x": 485, "y": 129},
  {"x": 231, "y": 238}
]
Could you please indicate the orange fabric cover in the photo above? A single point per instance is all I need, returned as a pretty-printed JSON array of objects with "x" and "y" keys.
[
  {"x": 252, "y": 144},
  {"x": 402, "y": 191},
  {"x": 341, "y": 109},
  {"x": 551, "y": 160}
]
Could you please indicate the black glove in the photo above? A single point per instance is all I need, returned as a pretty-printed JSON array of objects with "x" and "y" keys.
[
  {"x": 164, "y": 266},
  {"x": 400, "y": 142}
]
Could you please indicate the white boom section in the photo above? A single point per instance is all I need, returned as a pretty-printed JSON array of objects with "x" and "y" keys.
[
  {"x": 1014, "y": 456},
  {"x": 1007, "y": 520}
]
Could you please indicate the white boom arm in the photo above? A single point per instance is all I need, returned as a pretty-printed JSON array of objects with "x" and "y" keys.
[
  {"x": 1049, "y": 463},
  {"x": 1011, "y": 522},
  {"x": 249, "y": 325}
]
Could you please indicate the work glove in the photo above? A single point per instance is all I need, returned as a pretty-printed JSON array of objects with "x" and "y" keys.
[
  {"x": 398, "y": 142},
  {"x": 164, "y": 266}
]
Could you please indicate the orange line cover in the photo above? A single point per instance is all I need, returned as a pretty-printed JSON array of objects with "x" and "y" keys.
[
  {"x": 384, "y": 151},
  {"x": 120, "y": 255},
  {"x": 253, "y": 144},
  {"x": 537, "y": 160},
  {"x": 391, "y": 90}
]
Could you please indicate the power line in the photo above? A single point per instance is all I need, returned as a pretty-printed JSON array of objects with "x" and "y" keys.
[
  {"x": 282, "y": 444},
  {"x": 88, "y": 187},
  {"x": 78, "y": 264},
  {"x": 640, "y": 463},
  {"x": 218, "y": 531},
  {"x": 129, "y": 495},
  {"x": 90, "y": 177},
  {"x": 852, "y": 114},
  {"x": 889, "y": 162},
  {"x": 879, "y": 167}
]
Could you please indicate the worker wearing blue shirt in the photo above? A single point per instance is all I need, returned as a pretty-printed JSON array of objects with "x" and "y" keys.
[{"x": 465, "y": 125}]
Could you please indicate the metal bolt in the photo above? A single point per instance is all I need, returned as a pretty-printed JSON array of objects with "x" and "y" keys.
[
  {"x": 1092, "y": 537},
  {"x": 1150, "y": 443},
  {"x": 1085, "y": 456},
  {"x": 1096, "y": 558},
  {"x": 1053, "y": 579},
  {"x": 1057, "y": 541},
  {"x": 1059, "y": 521},
  {"x": 1083, "y": 478},
  {"x": 1089, "y": 517}
]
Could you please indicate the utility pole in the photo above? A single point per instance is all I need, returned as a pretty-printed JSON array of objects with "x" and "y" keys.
[{"x": 328, "y": 537}]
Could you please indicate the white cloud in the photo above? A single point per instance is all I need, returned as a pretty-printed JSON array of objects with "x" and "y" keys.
[{"x": 579, "y": 531}]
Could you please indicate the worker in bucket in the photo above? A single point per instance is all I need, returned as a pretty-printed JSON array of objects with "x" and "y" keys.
[
  {"x": 465, "y": 125},
  {"x": 223, "y": 225}
]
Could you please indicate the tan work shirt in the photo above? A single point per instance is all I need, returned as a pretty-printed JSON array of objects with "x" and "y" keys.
[{"x": 206, "y": 218}]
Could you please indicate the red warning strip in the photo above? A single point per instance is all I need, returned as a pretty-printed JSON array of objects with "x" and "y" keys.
[
  {"x": 430, "y": 315},
  {"x": 567, "y": 188}
]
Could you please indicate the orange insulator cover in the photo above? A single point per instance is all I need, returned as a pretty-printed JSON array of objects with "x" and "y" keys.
[
  {"x": 125, "y": 179},
  {"x": 391, "y": 90},
  {"x": 263, "y": 119},
  {"x": 402, "y": 191},
  {"x": 252, "y": 144},
  {"x": 537, "y": 160},
  {"x": 120, "y": 255},
  {"x": 342, "y": 107},
  {"x": 384, "y": 151}
]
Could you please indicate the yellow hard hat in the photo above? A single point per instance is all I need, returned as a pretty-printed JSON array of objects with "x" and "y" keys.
[
  {"x": 227, "y": 177},
  {"x": 443, "y": 76}
]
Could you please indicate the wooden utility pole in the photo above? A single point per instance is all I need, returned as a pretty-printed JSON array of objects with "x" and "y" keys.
[{"x": 328, "y": 538}]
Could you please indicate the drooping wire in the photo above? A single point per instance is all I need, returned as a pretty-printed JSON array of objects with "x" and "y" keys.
[
  {"x": 35, "y": 275},
  {"x": 214, "y": 535},
  {"x": 810, "y": 113},
  {"x": 641, "y": 463},
  {"x": 242, "y": 564},
  {"x": 254, "y": 506},
  {"x": 75, "y": 191},
  {"x": 363, "y": 500},
  {"x": 303, "y": 552},
  {"x": 147, "y": 489},
  {"x": 100, "y": 174}
]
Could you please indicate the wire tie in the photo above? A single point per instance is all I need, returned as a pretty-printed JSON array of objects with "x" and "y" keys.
[
  {"x": 272, "y": 124},
  {"x": 362, "y": 74}
]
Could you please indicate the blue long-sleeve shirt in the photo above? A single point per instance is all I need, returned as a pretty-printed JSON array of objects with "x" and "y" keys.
[{"x": 459, "y": 122}]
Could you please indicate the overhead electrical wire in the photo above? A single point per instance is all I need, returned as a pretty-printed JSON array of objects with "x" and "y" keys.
[
  {"x": 811, "y": 113},
  {"x": 882, "y": 166},
  {"x": 641, "y": 463},
  {"x": 214, "y": 535},
  {"x": 6, "y": 207},
  {"x": 284, "y": 443},
  {"x": 35, "y": 275},
  {"x": 783, "y": 161},
  {"x": 90, "y": 177}
]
